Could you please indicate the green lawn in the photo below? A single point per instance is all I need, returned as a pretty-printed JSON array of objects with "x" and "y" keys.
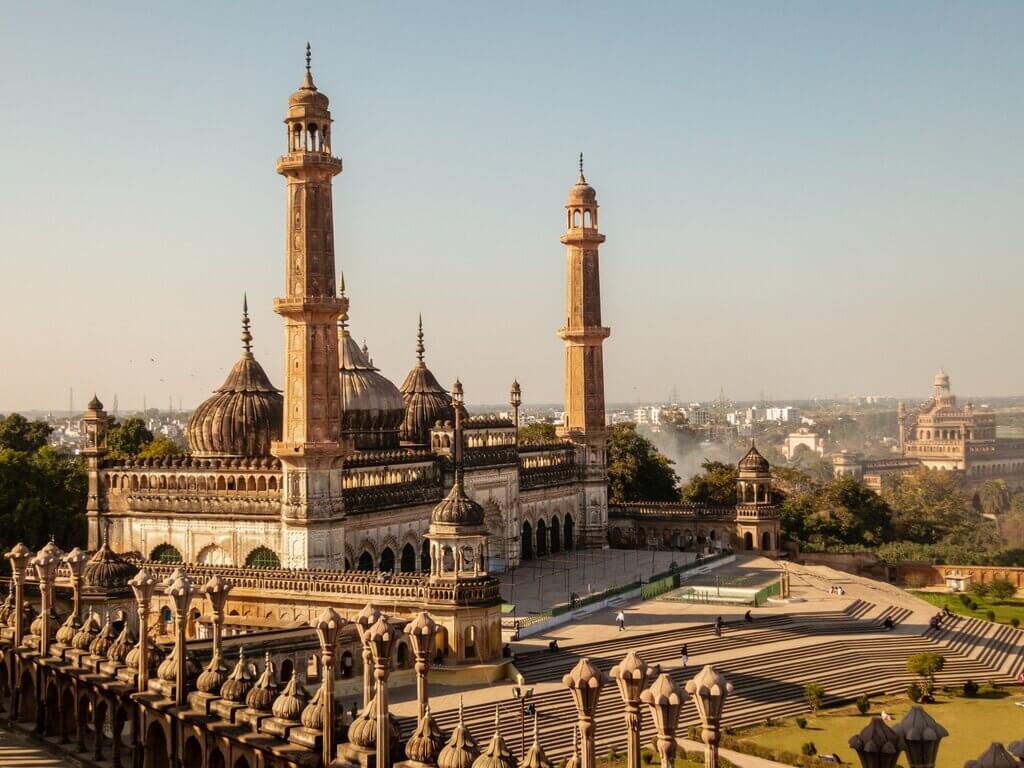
[
  {"x": 973, "y": 724},
  {"x": 1004, "y": 609},
  {"x": 649, "y": 757}
]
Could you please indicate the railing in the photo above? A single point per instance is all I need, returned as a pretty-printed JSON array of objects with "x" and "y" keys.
[
  {"x": 384, "y": 496},
  {"x": 669, "y": 509},
  {"x": 491, "y": 456},
  {"x": 547, "y": 476}
]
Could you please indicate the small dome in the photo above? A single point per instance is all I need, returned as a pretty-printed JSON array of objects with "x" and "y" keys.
[
  {"x": 67, "y": 630},
  {"x": 754, "y": 462},
  {"x": 461, "y": 750},
  {"x": 457, "y": 508},
  {"x": 308, "y": 95},
  {"x": 426, "y": 401},
  {"x": 313, "y": 715},
  {"x": 104, "y": 640},
  {"x": 372, "y": 408},
  {"x": 94, "y": 404},
  {"x": 122, "y": 646},
  {"x": 426, "y": 741},
  {"x": 942, "y": 379},
  {"x": 213, "y": 676},
  {"x": 107, "y": 570},
  {"x": 84, "y": 637},
  {"x": 581, "y": 193},
  {"x": 243, "y": 417}
]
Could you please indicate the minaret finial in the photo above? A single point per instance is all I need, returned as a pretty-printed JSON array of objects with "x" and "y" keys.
[
  {"x": 343, "y": 317},
  {"x": 309, "y": 56},
  {"x": 420, "y": 349},
  {"x": 246, "y": 334},
  {"x": 457, "y": 447},
  {"x": 583, "y": 179}
]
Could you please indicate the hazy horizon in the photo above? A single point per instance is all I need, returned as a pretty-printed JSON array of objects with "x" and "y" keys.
[{"x": 800, "y": 200}]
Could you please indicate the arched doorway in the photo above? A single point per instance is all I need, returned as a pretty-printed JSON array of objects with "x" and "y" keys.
[
  {"x": 67, "y": 715},
  {"x": 216, "y": 759},
  {"x": 556, "y": 536},
  {"x": 287, "y": 670},
  {"x": 542, "y": 538},
  {"x": 408, "y": 559},
  {"x": 567, "y": 531},
  {"x": 387, "y": 560},
  {"x": 766, "y": 541},
  {"x": 526, "y": 542},
  {"x": 242, "y": 762},
  {"x": 192, "y": 754},
  {"x": 469, "y": 646},
  {"x": 156, "y": 747},
  {"x": 402, "y": 656},
  {"x": 213, "y": 555},
  {"x": 748, "y": 540},
  {"x": 425, "y": 556},
  {"x": 365, "y": 561},
  {"x": 26, "y": 698}
]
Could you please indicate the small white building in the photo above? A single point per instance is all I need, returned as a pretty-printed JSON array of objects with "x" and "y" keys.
[{"x": 805, "y": 437}]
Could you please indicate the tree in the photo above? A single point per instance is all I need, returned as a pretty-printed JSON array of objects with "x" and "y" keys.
[
  {"x": 926, "y": 666},
  {"x": 994, "y": 497},
  {"x": 715, "y": 487},
  {"x": 41, "y": 494},
  {"x": 1001, "y": 589},
  {"x": 19, "y": 434},
  {"x": 126, "y": 440},
  {"x": 814, "y": 693},
  {"x": 637, "y": 471},
  {"x": 853, "y": 513},
  {"x": 160, "y": 446},
  {"x": 538, "y": 432},
  {"x": 928, "y": 507}
]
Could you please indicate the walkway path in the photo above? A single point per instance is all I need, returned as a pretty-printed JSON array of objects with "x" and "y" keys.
[{"x": 15, "y": 753}]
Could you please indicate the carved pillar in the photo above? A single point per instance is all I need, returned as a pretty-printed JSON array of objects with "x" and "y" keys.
[
  {"x": 217, "y": 590},
  {"x": 665, "y": 701},
  {"x": 632, "y": 675},
  {"x": 709, "y": 690},
  {"x": 421, "y": 632},
  {"x": 45, "y": 562},
  {"x": 143, "y": 585},
  {"x": 116, "y": 728},
  {"x": 381, "y": 640},
  {"x": 180, "y": 592},
  {"x": 76, "y": 560},
  {"x": 327, "y": 627},
  {"x": 19, "y": 557},
  {"x": 366, "y": 619},
  {"x": 585, "y": 683}
]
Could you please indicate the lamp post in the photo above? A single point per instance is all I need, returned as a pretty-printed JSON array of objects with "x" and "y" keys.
[
  {"x": 328, "y": 625},
  {"x": 180, "y": 591},
  {"x": 216, "y": 591},
  {"x": 921, "y": 736},
  {"x": 522, "y": 695},
  {"x": 421, "y": 634},
  {"x": 709, "y": 689},
  {"x": 381, "y": 639},
  {"x": 878, "y": 745},
  {"x": 665, "y": 701},
  {"x": 19, "y": 557},
  {"x": 76, "y": 560},
  {"x": 365, "y": 619},
  {"x": 585, "y": 682},
  {"x": 143, "y": 585},
  {"x": 632, "y": 675}
]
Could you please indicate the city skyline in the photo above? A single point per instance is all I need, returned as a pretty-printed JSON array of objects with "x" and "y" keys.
[{"x": 756, "y": 215}]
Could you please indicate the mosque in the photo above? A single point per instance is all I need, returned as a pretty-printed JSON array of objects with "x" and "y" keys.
[{"x": 339, "y": 468}]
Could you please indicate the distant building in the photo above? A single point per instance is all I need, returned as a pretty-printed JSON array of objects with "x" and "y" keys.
[
  {"x": 785, "y": 415},
  {"x": 805, "y": 437}
]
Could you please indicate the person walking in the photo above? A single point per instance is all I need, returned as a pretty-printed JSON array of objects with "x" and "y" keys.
[
  {"x": 620, "y": 619},
  {"x": 718, "y": 627},
  {"x": 684, "y": 655}
]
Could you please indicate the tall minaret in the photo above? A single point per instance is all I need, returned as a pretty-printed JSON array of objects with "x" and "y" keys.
[
  {"x": 584, "y": 363},
  {"x": 311, "y": 447}
]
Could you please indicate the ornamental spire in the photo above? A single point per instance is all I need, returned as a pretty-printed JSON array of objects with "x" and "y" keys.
[
  {"x": 420, "y": 349},
  {"x": 582, "y": 179},
  {"x": 246, "y": 334},
  {"x": 308, "y": 80}
]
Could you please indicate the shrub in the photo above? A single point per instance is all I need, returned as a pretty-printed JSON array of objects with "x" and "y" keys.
[
  {"x": 926, "y": 666},
  {"x": 979, "y": 589},
  {"x": 814, "y": 693},
  {"x": 801, "y": 722},
  {"x": 972, "y": 605},
  {"x": 863, "y": 704},
  {"x": 970, "y": 689},
  {"x": 693, "y": 733},
  {"x": 769, "y": 723},
  {"x": 808, "y": 748},
  {"x": 964, "y": 599},
  {"x": 613, "y": 755},
  {"x": 990, "y": 615},
  {"x": 1015, "y": 621},
  {"x": 648, "y": 756},
  {"x": 1001, "y": 589},
  {"x": 914, "y": 692}
]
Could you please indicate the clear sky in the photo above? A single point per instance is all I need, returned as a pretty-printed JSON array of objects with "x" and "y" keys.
[{"x": 800, "y": 198}]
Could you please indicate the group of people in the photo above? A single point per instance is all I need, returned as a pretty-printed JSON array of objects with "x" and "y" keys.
[
  {"x": 837, "y": 590},
  {"x": 936, "y": 621}
]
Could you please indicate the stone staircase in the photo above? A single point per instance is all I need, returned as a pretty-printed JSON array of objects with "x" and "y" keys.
[{"x": 768, "y": 662}]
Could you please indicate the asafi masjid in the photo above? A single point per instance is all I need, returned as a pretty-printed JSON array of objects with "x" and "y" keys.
[{"x": 339, "y": 468}]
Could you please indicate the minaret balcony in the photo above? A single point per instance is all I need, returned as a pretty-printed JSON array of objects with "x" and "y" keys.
[
  {"x": 582, "y": 235},
  {"x": 295, "y": 161},
  {"x": 584, "y": 334}
]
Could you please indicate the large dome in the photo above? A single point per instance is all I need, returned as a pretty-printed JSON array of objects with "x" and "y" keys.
[
  {"x": 372, "y": 408},
  {"x": 426, "y": 401},
  {"x": 243, "y": 417}
]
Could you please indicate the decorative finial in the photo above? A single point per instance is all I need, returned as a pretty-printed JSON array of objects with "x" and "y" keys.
[
  {"x": 246, "y": 334},
  {"x": 309, "y": 56},
  {"x": 341, "y": 285},
  {"x": 583, "y": 179},
  {"x": 460, "y": 709},
  {"x": 497, "y": 719},
  {"x": 366, "y": 349},
  {"x": 420, "y": 349}
]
